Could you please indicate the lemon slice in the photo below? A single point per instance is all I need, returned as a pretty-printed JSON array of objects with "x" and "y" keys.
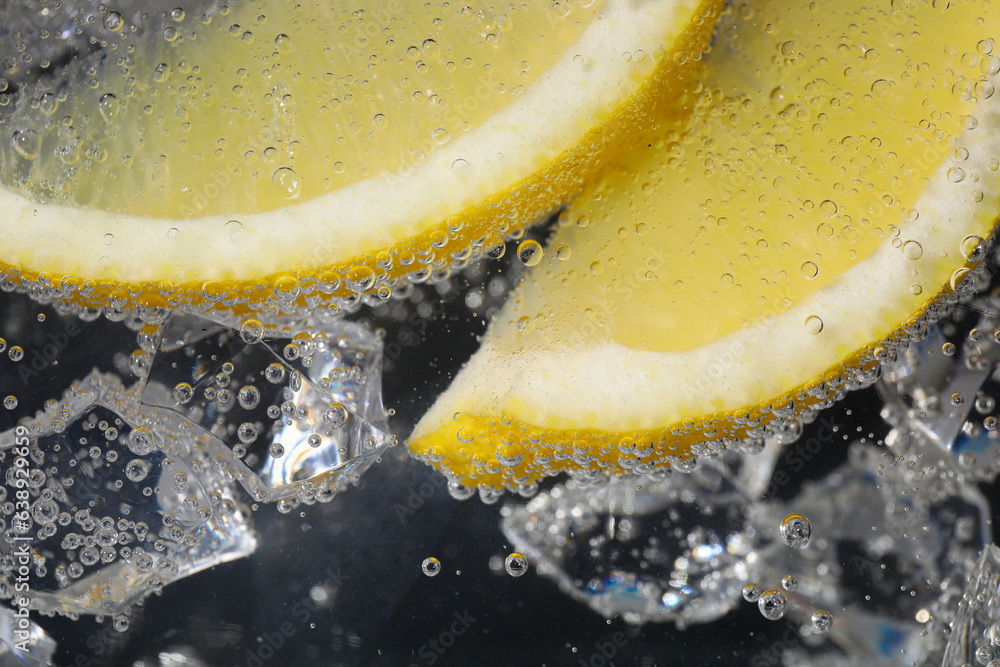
[
  {"x": 271, "y": 150},
  {"x": 838, "y": 172}
]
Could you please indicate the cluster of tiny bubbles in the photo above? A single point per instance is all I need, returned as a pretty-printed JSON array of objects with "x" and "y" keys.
[
  {"x": 516, "y": 564},
  {"x": 795, "y": 531},
  {"x": 431, "y": 567},
  {"x": 772, "y": 604}
]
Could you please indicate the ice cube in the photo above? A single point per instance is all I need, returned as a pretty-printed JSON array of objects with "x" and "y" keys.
[
  {"x": 283, "y": 416},
  {"x": 115, "y": 505},
  {"x": 645, "y": 547},
  {"x": 880, "y": 553},
  {"x": 975, "y": 630}
]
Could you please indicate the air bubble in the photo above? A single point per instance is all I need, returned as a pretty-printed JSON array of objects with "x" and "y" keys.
[
  {"x": 516, "y": 564},
  {"x": 461, "y": 168},
  {"x": 912, "y": 249},
  {"x": 973, "y": 248},
  {"x": 248, "y": 397},
  {"x": 335, "y": 416},
  {"x": 751, "y": 593},
  {"x": 795, "y": 531},
  {"x": 772, "y": 605},
  {"x": 274, "y": 373},
  {"x": 113, "y": 21},
  {"x": 286, "y": 183},
  {"x": 251, "y": 331},
  {"x": 183, "y": 392},
  {"x": 10, "y": 402},
  {"x": 814, "y": 324},
  {"x": 440, "y": 136},
  {"x": 247, "y": 433},
  {"x": 431, "y": 567},
  {"x": 530, "y": 252},
  {"x": 789, "y": 582},
  {"x": 360, "y": 279},
  {"x": 882, "y": 88},
  {"x": 27, "y": 143},
  {"x": 109, "y": 107},
  {"x": 809, "y": 270},
  {"x": 430, "y": 48},
  {"x": 494, "y": 247},
  {"x": 822, "y": 621},
  {"x": 141, "y": 441},
  {"x": 136, "y": 470}
]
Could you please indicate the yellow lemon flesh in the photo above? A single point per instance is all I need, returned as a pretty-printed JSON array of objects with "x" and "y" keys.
[
  {"x": 838, "y": 171},
  {"x": 264, "y": 152}
]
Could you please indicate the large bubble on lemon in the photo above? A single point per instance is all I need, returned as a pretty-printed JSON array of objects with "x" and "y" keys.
[{"x": 750, "y": 263}]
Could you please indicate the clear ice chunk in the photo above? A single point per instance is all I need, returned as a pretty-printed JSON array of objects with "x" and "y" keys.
[
  {"x": 942, "y": 391},
  {"x": 119, "y": 505},
  {"x": 23, "y": 643},
  {"x": 880, "y": 552},
  {"x": 647, "y": 547},
  {"x": 975, "y": 629},
  {"x": 283, "y": 416}
]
